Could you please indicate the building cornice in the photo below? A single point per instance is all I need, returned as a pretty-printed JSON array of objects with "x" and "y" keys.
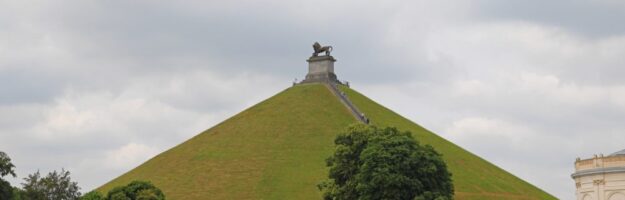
[{"x": 595, "y": 171}]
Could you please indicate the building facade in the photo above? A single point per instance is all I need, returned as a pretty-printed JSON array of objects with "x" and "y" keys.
[{"x": 600, "y": 177}]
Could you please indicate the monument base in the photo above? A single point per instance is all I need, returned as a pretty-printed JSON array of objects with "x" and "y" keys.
[{"x": 321, "y": 69}]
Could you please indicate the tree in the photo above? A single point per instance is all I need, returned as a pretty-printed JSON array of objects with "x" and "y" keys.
[
  {"x": 6, "y": 191},
  {"x": 56, "y": 185},
  {"x": 6, "y": 168},
  {"x": 18, "y": 194},
  {"x": 136, "y": 190},
  {"x": 383, "y": 163},
  {"x": 93, "y": 195}
]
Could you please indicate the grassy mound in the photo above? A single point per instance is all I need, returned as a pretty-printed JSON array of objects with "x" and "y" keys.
[
  {"x": 474, "y": 177},
  {"x": 277, "y": 149}
]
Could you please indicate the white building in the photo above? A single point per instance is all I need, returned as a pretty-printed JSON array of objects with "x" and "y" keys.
[{"x": 600, "y": 178}]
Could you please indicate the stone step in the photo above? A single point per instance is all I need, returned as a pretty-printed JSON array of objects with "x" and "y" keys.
[{"x": 345, "y": 100}]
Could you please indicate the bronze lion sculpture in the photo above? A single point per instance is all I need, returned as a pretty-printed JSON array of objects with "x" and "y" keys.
[{"x": 320, "y": 49}]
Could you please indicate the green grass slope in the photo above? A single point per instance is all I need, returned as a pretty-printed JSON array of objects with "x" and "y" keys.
[
  {"x": 474, "y": 177},
  {"x": 273, "y": 150},
  {"x": 277, "y": 149}
]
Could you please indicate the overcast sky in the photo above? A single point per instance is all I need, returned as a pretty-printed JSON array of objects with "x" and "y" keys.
[{"x": 98, "y": 87}]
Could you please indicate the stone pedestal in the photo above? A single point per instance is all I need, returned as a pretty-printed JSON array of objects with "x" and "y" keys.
[{"x": 321, "y": 69}]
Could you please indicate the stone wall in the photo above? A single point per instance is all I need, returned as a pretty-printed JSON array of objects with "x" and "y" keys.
[{"x": 600, "y": 178}]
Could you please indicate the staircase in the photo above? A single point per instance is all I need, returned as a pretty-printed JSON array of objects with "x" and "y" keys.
[{"x": 352, "y": 108}]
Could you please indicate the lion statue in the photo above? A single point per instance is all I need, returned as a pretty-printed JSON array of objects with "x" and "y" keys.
[{"x": 320, "y": 49}]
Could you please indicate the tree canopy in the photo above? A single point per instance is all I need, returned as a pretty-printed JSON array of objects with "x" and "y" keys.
[
  {"x": 6, "y": 168},
  {"x": 93, "y": 195},
  {"x": 136, "y": 190},
  {"x": 384, "y": 163},
  {"x": 56, "y": 185}
]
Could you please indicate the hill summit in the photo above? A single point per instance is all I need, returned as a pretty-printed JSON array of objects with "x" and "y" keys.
[{"x": 277, "y": 148}]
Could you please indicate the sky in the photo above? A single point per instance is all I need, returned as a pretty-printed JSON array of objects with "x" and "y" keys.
[{"x": 98, "y": 87}]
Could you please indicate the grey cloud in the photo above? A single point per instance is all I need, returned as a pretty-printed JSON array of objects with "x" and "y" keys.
[
  {"x": 185, "y": 67},
  {"x": 240, "y": 39},
  {"x": 590, "y": 18},
  {"x": 106, "y": 44}
]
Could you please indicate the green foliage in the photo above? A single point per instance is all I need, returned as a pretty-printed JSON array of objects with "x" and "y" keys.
[
  {"x": 374, "y": 163},
  {"x": 18, "y": 193},
  {"x": 6, "y": 191},
  {"x": 150, "y": 195},
  {"x": 93, "y": 195},
  {"x": 56, "y": 185},
  {"x": 136, "y": 190},
  {"x": 6, "y": 167},
  {"x": 118, "y": 196}
]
